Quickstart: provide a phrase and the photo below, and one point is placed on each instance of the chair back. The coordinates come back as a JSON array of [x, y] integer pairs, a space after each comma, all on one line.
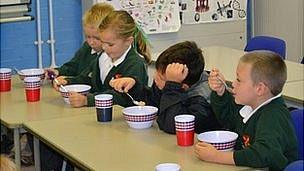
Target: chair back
[[267, 43], [295, 166], [297, 119]]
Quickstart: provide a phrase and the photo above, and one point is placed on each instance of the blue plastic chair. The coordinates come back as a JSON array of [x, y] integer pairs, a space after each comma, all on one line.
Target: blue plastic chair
[[267, 43], [295, 166], [297, 119]]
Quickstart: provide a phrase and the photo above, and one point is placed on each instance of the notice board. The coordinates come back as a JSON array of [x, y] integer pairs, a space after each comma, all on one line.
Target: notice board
[[153, 16]]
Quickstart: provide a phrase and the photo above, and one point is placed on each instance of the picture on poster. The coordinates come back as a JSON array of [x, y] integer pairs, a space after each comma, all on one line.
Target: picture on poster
[[206, 11], [153, 16]]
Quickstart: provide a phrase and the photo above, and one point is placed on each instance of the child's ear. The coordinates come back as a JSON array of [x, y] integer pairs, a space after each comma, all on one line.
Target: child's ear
[[130, 40], [261, 89]]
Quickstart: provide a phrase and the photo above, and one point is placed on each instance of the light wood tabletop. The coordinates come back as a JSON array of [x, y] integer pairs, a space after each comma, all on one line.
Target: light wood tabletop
[[114, 146], [15, 109]]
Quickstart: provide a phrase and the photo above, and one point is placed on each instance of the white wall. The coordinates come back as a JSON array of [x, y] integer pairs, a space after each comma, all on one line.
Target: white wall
[[282, 18]]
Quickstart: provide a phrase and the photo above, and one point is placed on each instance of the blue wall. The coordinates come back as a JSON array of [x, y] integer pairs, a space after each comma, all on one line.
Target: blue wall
[[17, 39]]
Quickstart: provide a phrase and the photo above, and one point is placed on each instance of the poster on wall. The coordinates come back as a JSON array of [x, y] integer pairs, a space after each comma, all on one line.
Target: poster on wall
[[207, 11], [154, 16]]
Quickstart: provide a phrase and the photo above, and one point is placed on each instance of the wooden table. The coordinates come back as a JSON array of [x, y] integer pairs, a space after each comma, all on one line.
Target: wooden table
[[294, 93], [15, 110], [114, 146]]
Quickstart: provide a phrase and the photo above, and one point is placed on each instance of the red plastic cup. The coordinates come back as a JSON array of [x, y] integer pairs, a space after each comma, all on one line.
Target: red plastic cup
[[185, 138], [32, 89], [5, 79], [184, 126]]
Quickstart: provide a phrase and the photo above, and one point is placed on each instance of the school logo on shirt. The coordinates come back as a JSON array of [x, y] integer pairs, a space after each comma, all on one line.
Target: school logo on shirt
[[117, 76], [246, 140]]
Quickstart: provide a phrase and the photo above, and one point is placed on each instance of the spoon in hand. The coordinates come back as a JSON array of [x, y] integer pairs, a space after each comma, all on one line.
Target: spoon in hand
[[52, 77], [229, 89], [141, 103]]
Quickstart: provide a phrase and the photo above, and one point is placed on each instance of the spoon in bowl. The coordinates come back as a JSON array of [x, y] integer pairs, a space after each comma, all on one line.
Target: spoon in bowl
[[141, 103], [52, 77], [18, 71]]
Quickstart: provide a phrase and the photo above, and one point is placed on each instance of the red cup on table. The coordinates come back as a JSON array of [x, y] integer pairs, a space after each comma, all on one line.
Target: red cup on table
[[32, 88], [5, 79], [184, 127]]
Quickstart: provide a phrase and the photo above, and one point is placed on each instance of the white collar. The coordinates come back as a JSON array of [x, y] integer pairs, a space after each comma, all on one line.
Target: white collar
[[94, 51], [246, 112], [122, 58]]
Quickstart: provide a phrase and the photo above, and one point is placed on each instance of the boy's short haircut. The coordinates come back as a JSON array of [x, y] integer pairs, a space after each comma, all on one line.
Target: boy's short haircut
[[96, 14], [267, 67], [184, 53]]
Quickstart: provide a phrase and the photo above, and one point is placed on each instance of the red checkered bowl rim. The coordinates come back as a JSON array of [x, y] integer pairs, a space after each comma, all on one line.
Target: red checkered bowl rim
[[139, 118], [140, 110], [220, 136], [224, 146]]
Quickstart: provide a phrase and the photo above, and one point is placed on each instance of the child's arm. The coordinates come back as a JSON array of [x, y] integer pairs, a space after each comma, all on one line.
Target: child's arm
[[60, 81], [214, 82], [176, 72], [122, 84], [77, 99], [207, 152]]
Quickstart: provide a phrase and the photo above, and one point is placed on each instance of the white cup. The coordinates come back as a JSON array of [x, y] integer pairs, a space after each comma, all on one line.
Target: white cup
[[168, 167]]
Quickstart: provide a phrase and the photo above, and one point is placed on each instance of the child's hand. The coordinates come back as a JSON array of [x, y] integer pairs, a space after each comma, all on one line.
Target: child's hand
[[214, 82], [77, 99], [206, 152], [49, 71], [122, 84], [176, 72], [61, 81]]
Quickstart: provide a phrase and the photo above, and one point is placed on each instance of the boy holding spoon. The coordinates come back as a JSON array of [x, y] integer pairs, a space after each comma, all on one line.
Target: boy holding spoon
[[256, 112]]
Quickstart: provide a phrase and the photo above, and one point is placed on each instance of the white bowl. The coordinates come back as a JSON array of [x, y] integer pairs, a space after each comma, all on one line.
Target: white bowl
[[33, 72], [79, 88], [140, 117], [168, 167], [221, 140]]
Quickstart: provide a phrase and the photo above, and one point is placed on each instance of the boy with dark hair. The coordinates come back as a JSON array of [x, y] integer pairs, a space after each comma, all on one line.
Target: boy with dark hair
[[180, 87], [256, 111]]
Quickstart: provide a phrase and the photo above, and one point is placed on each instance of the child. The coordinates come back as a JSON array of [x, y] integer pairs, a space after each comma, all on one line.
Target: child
[[266, 134], [91, 48], [6, 164], [121, 41], [180, 87]]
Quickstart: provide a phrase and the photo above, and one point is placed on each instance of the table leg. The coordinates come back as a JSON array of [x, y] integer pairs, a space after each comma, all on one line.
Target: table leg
[[17, 147], [36, 154]]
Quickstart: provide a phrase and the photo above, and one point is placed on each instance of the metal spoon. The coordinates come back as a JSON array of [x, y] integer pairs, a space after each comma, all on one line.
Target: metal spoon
[[18, 71], [229, 89], [134, 101], [52, 77]]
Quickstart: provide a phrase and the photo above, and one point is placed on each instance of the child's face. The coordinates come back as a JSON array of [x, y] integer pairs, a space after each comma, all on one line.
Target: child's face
[[92, 37], [159, 79], [113, 45], [243, 87]]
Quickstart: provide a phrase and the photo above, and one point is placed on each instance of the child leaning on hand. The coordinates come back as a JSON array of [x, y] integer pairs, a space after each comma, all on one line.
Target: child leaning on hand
[[180, 87], [256, 111]]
